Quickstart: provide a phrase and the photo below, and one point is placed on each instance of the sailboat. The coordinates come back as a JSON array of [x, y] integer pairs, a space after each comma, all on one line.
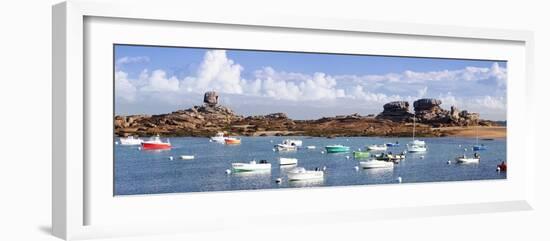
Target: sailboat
[[416, 145], [477, 146]]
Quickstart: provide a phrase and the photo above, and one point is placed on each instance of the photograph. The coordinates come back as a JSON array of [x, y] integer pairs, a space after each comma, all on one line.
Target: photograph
[[199, 119]]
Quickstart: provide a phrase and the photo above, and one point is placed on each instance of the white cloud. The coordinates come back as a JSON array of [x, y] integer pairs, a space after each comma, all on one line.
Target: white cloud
[[130, 60], [124, 89], [216, 72], [492, 102], [158, 82]]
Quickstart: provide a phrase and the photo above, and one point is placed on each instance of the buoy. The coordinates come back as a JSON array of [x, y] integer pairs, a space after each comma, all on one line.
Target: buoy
[[271, 141], [358, 149], [322, 152], [274, 149], [116, 142], [465, 149], [356, 168], [210, 140], [171, 158], [227, 171], [498, 169], [139, 148], [449, 162], [278, 180], [347, 157], [459, 145], [324, 168], [399, 179]]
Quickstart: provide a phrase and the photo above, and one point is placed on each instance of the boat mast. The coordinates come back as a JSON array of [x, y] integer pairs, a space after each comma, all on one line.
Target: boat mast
[[414, 125]]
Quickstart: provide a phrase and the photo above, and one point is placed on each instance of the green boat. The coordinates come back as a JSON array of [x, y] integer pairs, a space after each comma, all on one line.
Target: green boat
[[337, 149], [361, 154]]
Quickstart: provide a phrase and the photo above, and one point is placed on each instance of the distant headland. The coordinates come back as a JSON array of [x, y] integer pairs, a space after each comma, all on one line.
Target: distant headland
[[395, 120]]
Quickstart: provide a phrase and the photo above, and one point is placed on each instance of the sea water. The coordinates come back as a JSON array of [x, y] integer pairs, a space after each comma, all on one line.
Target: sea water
[[150, 172]]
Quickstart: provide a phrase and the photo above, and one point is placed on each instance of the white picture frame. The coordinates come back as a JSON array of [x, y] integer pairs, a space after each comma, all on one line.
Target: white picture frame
[[74, 189]]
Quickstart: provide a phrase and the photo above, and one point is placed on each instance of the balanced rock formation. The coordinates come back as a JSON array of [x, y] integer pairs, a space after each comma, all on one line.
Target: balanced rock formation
[[397, 111], [211, 98], [429, 111]]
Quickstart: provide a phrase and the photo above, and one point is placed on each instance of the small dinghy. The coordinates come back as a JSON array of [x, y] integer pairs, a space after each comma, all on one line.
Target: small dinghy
[[464, 159], [301, 174], [262, 165], [361, 154], [311, 147], [287, 161], [390, 144], [187, 157], [481, 147], [130, 141], [373, 163], [337, 148], [377, 147], [285, 147]]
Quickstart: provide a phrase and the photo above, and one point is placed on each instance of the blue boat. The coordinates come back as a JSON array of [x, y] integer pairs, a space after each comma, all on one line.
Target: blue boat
[[480, 147], [392, 144]]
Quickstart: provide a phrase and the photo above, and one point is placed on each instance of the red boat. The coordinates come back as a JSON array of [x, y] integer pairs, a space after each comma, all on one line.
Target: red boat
[[502, 166], [155, 143]]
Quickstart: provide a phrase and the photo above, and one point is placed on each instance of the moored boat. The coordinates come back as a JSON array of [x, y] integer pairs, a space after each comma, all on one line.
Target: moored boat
[[465, 159], [392, 144], [288, 161], [292, 142], [301, 174], [285, 147], [481, 147], [416, 145], [187, 157], [155, 143], [373, 163], [232, 141], [311, 147], [218, 138], [130, 141], [502, 167], [262, 165], [361, 154], [337, 148], [377, 147]]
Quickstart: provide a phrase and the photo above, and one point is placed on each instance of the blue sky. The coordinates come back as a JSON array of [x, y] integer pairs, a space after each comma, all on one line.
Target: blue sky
[[151, 80]]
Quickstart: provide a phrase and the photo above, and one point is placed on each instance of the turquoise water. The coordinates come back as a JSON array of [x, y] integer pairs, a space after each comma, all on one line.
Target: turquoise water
[[150, 172]]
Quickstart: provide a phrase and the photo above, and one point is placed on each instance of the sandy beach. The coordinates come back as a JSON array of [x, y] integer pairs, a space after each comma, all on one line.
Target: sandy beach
[[483, 132]]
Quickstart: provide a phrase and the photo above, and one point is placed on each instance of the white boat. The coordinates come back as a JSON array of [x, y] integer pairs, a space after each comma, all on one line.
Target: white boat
[[311, 147], [300, 174], [288, 161], [377, 148], [291, 142], [465, 159], [416, 145], [373, 163], [251, 166], [285, 147], [130, 141], [218, 138], [187, 157]]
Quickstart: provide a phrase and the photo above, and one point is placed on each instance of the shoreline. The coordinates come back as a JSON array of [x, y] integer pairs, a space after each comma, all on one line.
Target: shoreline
[[482, 132]]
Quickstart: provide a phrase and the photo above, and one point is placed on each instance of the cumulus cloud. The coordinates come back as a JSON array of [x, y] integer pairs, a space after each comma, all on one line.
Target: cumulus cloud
[[130, 60], [216, 71], [124, 89], [159, 82]]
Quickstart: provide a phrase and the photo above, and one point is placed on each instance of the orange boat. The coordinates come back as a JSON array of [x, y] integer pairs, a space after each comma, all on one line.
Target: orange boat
[[232, 141], [155, 143]]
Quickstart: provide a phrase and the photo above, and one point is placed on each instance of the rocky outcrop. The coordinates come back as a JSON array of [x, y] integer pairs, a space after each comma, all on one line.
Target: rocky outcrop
[[210, 98], [209, 118], [397, 111], [429, 111]]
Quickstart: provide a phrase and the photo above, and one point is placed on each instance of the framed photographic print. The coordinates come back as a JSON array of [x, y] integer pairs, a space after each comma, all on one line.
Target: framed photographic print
[[172, 121]]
